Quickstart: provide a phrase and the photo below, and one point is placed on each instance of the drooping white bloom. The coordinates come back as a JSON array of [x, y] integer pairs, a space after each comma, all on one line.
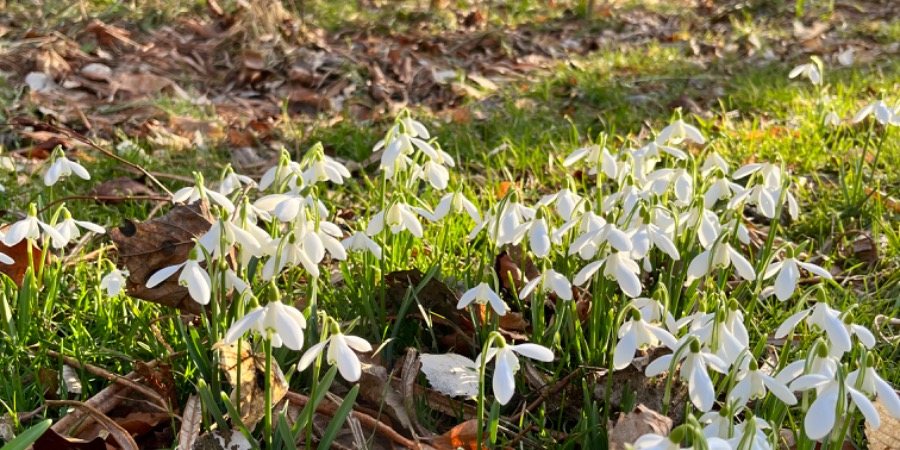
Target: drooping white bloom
[[873, 385], [511, 219], [832, 119], [31, 228], [224, 231], [714, 161], [753, 385], [483, 294], [596, 158], [720, 189], [281, 324], [788, 272], [325, 168], [69, 229], [637, 334], [693, 371], [504, 381], [287, 207], [682, 182], [678, 131], [824, 318], [653, 441], [63, 167], [808, 70], [721, 256], [341, 352], [770, 173], [232, 182], [452, 203], [437, 175], [597, 232], [568, 203], [191, 194], [360, 242], [822, 414], [617, 266], [399, 217], [883, 113], [114, 282], [550, 280], [192, 276]]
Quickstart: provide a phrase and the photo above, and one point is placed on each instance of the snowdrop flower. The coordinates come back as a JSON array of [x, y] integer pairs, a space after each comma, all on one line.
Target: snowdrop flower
[[590, 242], [770, 173], [617, 266], [550, 280], [832, 119], [829, 387], [694, 371], [399, 217], [224, 231], [276, 322], [750, 435], [720, 189], [720, 257], [539, 239], [649, 235], [678, 131], [31, 228], [360, 242], [507, 364], [757, 195], [883, 113], [821, 317], [191, 194], [653, 311], [753, 385], [114, 282], [510, 221], [636, 334], [286, 171], [714, 161], [455, 203], [436, 174], [788, 272], [596, 157], [682, 182], [483, 294], [568, 203], [873, 385], [324, 168], [63, 167], [340, 351], [232, 181], [653, 441], [192, 276], [287, 207], [69, 231], [808, 70], [302, 246]]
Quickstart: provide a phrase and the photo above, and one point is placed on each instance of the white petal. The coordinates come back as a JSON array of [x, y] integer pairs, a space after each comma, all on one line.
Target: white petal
[[820, 418], [658, 365], [504, 381], [347, 361], [743, 267], [700, 389], [625, 349], [162, 275], [888, 397], [779, 390], [242, 325], [357, 343], [866, 407], [587, 272], [533, 351], [311, 355], [790, 323]]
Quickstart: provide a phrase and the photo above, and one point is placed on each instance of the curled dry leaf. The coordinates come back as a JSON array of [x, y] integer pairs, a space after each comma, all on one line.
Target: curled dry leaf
[[51, 440], [637, 423], [252, 367], [464, 435], [146, 247], [190, 426], [375, 387]]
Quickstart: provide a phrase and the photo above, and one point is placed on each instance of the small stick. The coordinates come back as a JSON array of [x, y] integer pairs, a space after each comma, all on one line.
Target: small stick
[[330, 409]]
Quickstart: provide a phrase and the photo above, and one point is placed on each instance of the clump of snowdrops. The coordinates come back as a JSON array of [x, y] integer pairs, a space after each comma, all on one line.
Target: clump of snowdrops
[[655, 233]]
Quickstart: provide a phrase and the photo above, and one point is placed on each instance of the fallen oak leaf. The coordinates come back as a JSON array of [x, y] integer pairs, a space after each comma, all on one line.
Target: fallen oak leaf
[[637, 423], [51, 440], [19, 254], [250, 368], [146, 247]]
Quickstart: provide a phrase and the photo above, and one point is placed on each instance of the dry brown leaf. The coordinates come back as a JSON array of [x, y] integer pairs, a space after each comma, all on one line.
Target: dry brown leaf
[[637, 423], [190, 426], [887, 436], [146, 247], [252, 367], [464, 435], [375, 387], [51, 440], [19, 254]]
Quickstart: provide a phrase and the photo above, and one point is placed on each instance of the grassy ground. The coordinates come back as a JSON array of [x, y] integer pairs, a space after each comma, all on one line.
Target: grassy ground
[[520, 132]]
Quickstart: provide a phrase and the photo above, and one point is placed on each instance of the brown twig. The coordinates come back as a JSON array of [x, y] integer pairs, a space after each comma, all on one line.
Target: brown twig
[[329, 409], [545, 395], [70, 133], [105, 401], [26, 416], [150, 393], [119, 434]]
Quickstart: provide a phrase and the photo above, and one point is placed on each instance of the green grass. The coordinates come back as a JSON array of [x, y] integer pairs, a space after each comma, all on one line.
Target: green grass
[[750, 111]]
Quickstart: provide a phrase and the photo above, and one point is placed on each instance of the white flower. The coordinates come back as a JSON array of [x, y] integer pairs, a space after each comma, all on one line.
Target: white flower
[[299, 247], [596, 157], [454, 202], [192, 276], [771, 173], [69, 231], [63, 167], [568, 203], [653, 441], [281, 324], [325, 168], [617, 266], [114, 282], [714, 161], [483, 294], [637, 334], [824, 318], [360, 242], [753, 385], [789, 273], [437, 175], [511, 219], [693, 371], [231, 234], [399, 217], [808, 70], [873, 385], [720, 189], [30, 228], [232, 182], [550, 280], [507, 365], [883, 113], [287, 207], [721, 256], [832, 119], [191, 194], [679, 131], [340, 352], [821, 416]]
